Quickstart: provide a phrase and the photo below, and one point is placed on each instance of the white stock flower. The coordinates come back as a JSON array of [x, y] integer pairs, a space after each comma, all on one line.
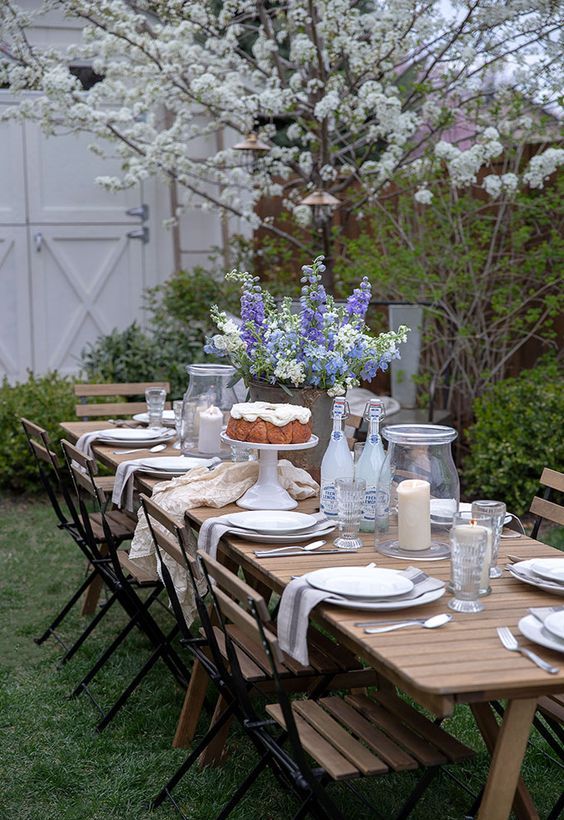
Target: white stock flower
[[542, 166], [423, 195]]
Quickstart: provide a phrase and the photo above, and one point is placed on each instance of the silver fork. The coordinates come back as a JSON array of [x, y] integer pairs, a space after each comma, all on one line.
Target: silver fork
[[510, 642]]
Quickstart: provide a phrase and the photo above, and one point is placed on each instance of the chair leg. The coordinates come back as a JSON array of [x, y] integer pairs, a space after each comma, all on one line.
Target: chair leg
[[65, 610], [241, 790], [87, 631], [423, 783], [558, 809], [192, 757], [92, 595]]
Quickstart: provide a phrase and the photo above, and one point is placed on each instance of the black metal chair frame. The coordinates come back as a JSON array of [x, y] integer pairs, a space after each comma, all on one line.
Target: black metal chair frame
[[292, 770], [123, 589], [67, 522]]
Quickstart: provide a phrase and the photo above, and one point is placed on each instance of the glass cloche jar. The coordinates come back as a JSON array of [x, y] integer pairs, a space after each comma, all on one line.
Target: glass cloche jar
[[205, 409], [418, 489]]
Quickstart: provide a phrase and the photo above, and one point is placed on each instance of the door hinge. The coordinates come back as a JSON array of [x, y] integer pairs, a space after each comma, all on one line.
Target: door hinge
[[139, 233], [142, 212]]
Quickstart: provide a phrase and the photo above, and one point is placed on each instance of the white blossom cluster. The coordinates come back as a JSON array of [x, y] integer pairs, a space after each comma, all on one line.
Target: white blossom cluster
[[347, 93]]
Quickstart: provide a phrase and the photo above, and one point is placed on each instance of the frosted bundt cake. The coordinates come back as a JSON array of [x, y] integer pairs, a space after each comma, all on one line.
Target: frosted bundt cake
[[265, 423]]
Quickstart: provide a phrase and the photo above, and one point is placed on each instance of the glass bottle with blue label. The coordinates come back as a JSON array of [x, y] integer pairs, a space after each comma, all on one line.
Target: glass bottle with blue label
[[337, 461], [370, 463]]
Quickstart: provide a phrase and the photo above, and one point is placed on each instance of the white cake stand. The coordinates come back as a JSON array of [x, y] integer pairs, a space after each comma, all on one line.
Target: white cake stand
[[268, 493]]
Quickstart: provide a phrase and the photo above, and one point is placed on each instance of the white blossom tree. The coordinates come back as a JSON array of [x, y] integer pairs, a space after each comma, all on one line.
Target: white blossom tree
[[345, 93]]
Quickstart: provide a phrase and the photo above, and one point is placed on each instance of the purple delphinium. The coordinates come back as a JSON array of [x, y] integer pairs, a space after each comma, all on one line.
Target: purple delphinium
[[358, 301], [313, 302], [252, 313]]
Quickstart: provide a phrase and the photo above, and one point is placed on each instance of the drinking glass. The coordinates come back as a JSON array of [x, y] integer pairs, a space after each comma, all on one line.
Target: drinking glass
[[177, 409], [468, 543], [496, 510], [349, 495], [155, 398]]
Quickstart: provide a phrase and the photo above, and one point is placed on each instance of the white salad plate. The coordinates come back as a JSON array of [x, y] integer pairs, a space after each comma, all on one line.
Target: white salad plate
[[550, 568], [272, 521], [126, 441], [531, 628], [131, 434], [555, 624], [168, 418], [360, 582], [523, 571], [288, 538], [386, 606]]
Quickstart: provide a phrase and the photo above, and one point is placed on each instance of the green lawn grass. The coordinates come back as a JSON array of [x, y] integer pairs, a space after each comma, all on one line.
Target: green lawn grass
[[54, 766]]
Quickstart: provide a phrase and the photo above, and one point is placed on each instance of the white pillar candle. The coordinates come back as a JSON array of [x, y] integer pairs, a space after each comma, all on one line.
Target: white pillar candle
[[211, 424], [414, 514]]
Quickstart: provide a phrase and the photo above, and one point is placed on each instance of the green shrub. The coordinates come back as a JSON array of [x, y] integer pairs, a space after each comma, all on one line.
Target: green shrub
[[45, 400], [518, 431]]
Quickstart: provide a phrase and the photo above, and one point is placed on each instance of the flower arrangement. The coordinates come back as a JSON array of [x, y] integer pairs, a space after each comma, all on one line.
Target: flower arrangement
[[324, 344]]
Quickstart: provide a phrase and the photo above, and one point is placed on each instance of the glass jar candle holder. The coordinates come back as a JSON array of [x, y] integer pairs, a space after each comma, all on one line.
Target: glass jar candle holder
[[205, 409], [418, 489], [349, 493]]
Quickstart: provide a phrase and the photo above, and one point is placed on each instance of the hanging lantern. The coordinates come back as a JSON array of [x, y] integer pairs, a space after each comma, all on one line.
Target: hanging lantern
[[252, 149], [322, 203]]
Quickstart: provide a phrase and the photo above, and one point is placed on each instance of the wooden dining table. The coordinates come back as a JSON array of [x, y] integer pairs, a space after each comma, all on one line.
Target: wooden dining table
[[461, 663]]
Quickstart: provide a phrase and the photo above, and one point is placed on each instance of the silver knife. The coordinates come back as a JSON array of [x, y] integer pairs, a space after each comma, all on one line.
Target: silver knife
[[267, 554]]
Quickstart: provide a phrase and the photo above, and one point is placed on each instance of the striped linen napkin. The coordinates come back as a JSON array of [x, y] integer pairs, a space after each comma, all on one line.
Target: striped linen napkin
[[541, 613], [299, 598], [122, 495], [213, 530]]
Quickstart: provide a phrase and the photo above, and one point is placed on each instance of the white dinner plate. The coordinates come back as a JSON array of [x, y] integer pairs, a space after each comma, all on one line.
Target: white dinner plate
[[531, 628], [555, 624], [272, 521], [386, 606], [523, 571], [288, 538], [130, 434], [174, 465], [168, 418], [550, 568], [360, 582], [138, 442]]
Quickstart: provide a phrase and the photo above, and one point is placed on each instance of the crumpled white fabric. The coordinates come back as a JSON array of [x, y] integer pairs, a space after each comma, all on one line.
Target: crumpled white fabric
[[206, 488]]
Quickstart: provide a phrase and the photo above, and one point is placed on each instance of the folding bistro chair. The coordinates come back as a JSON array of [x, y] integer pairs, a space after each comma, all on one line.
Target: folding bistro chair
[[86, 410], [125, 582], [331, 664], [349, 736], [545, 508], [54, 482]]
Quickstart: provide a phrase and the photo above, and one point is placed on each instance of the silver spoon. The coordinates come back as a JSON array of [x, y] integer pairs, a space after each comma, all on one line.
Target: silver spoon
[[431, 623], [156, 449], [308, 548]]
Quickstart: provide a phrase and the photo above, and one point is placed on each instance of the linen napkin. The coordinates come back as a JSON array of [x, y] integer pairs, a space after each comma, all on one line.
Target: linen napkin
[[201, 487], [299, 598], [542, 612], [122, 495], [84, 443], [213, 530], [530, 575]]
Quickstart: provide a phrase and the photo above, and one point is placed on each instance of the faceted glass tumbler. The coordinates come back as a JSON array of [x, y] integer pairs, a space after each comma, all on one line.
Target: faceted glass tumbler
[[350, 499], [468, 543], [497, 511], [177, 409], [155, 398]]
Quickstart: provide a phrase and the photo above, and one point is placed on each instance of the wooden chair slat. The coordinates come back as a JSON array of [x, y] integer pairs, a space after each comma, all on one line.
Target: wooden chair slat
[[548, 510], [74, 454], [127, 408], [337, 766], [446, 743], [552, 707], [553, 479], [117, 389], [249, 669], [130, 568], [363, 759], [235, 614], [43, 453], [241, 591], [392, 754], [422, 751]]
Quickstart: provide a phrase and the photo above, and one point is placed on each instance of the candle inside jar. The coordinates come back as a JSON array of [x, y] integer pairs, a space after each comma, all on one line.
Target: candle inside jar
[[466, 535], [210, 427], [414, 514]]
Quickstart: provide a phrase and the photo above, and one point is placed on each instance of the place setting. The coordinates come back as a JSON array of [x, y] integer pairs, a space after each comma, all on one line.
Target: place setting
[[282, 527], [544, 573], [163, 467]]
